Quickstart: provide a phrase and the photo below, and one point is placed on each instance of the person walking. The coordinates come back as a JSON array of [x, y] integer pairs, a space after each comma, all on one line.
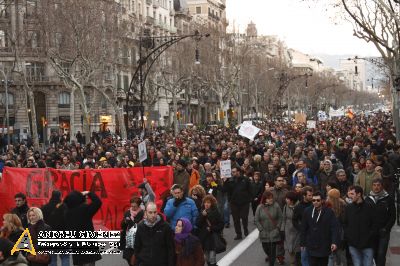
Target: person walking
[[385, 217], [154, 240], [239, 196], [366, 175], [6, 259], [180, 207], [187, 246], [210, 222], [78, 217], [307, 193], [268, 222], [12, 227], [291, 234], [320, 232], [359, 228], [129, 223]]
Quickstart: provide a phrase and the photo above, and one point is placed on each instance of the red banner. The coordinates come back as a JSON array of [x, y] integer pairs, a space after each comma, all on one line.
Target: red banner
[[115, 187]]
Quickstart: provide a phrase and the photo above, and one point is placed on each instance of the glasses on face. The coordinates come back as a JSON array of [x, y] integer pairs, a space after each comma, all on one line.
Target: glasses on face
[[316, 200]]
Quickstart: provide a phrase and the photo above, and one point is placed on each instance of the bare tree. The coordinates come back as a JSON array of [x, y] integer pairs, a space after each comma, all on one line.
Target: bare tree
[[82, 39]]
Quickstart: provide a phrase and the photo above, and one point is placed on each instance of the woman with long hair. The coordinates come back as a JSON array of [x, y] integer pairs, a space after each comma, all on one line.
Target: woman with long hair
[[197, 193], [187, 247], [338, 205], [131, 219], [12, 227], [210, 221], [268, 222]]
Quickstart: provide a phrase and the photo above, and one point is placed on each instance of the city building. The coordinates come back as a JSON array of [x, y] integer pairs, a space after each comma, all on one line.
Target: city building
[[353, 73]]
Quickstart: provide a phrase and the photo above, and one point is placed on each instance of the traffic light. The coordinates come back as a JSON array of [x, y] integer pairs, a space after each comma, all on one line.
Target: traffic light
[[197, 56]]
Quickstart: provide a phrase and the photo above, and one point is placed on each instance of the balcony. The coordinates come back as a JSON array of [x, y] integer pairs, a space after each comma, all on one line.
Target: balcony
[[149, 20]]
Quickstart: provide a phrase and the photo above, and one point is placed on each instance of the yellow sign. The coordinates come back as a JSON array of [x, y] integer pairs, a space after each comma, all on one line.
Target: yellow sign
[[105, 118], [24, 243]]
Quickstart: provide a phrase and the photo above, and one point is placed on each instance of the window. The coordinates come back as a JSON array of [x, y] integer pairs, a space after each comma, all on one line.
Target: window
[[64, 99], [31, 8], [198, 9], [3, 99], [133, 56], [126, 82], [107, 73], [3, 42], [3, 9], [35, 71], [133, 6], [125, 55], [58, 39], [33, 39]]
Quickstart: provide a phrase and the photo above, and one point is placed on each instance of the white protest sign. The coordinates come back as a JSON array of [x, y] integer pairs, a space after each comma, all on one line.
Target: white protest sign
[[225, 167], [311, 124], [247, 122], [336, 113], [322, 116], [142, 151], [248, 131]]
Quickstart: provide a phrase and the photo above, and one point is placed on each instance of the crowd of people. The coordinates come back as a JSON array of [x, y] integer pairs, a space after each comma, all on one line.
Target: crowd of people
[[322, 196]]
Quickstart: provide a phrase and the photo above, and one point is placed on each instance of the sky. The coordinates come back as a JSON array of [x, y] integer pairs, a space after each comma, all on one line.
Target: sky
[[309, 29]]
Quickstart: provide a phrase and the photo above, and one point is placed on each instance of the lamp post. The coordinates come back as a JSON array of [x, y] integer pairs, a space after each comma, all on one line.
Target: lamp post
[[146, 62], [5, 81]]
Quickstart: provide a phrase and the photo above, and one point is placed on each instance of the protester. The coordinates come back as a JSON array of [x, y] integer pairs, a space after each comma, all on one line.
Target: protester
[[256, 191], [6, 259], [21, 208], [78, 217], [290, 233], [35, 226], [385, 217], [181, 176], [365, 176], [320, 232], [12, 227], [210, 222], [197, 193], [268, 222], [180, 207], [187, 247], [239, 196], [129, 223], [154, 241], [359, 228], [146, 193]]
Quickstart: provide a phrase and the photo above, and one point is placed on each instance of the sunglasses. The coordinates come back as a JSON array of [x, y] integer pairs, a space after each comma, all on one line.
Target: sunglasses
[[316, 200]]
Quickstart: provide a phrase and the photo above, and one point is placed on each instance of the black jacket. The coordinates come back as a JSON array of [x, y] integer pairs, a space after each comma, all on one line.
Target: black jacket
[[385, 212], [239, 190], [34, 230], [359, 225], [154, 246], [126, 224], [298, 214], [79, 217], [317, 235], [216, 225], [21, 212]]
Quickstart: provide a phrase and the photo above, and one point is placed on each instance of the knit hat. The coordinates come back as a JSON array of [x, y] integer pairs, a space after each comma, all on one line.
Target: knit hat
[[334, 193]]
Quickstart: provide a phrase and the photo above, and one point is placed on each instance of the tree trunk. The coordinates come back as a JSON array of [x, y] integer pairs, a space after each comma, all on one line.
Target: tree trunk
[[72, 118], [175, 109], [35, 136], [121, 122], [86, 123]]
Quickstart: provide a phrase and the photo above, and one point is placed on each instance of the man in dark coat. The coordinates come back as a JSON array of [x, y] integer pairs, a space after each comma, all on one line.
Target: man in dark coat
[[359, 227], [154, 242], [21, 208], [239, 197], [320, 232], [79, 217], [385, 217]]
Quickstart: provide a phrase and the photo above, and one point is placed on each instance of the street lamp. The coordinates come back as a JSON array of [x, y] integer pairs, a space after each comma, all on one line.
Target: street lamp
[[6, 82]]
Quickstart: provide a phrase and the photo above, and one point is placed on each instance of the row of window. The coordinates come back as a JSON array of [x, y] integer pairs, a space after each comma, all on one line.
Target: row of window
[[64, 100]]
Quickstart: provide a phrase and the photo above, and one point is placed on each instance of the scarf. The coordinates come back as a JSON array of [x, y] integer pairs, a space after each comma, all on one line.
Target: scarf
[[186, 229], [148, 224], [133, 213], [378, 196]]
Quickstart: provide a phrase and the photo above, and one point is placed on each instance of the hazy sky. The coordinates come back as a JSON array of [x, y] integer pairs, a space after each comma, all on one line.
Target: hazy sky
[[303, 27]]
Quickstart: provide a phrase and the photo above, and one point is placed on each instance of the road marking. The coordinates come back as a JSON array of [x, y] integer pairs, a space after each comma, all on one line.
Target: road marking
[[229, 258]]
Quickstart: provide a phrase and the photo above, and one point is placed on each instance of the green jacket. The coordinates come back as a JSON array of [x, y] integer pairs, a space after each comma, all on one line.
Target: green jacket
[[269, 225]]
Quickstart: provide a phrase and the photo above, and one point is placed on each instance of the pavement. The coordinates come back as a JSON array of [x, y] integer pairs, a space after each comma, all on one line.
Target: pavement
[[249, 250]]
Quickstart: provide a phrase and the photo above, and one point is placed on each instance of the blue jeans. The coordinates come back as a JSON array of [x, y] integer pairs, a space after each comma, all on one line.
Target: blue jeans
[[64, 259], [304, 258], [362, 257]]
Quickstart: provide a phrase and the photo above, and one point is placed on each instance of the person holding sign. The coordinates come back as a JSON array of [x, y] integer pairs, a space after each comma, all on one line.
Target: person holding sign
[[239, 197]]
